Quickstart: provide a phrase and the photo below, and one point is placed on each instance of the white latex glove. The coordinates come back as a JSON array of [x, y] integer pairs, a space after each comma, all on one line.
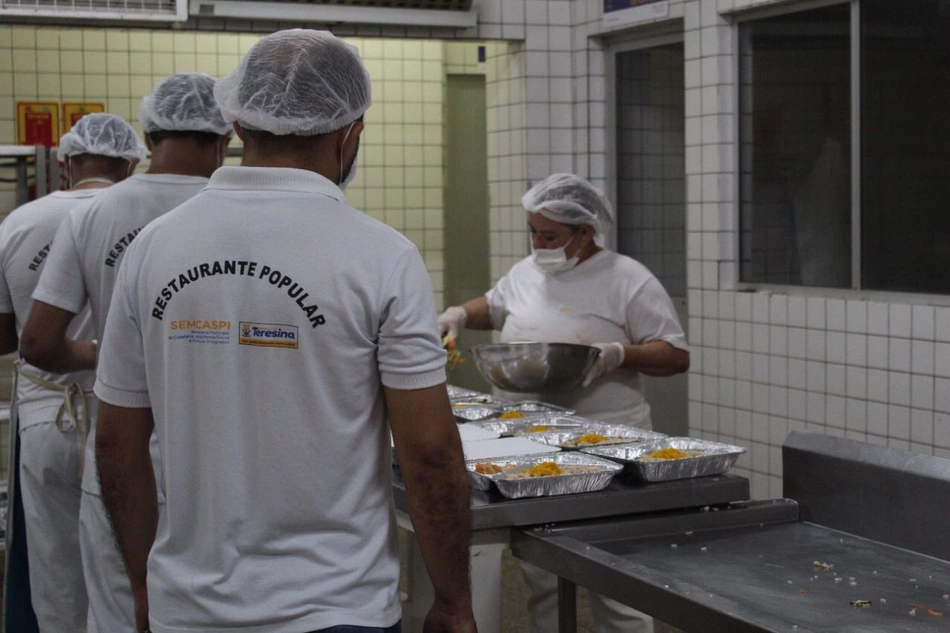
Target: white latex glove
[[452, 321], [611, 357]]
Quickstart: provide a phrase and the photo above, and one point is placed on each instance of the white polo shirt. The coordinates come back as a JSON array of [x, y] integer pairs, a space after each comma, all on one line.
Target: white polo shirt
[[89, 246], [608, 298], [260, 321], [26, 236]]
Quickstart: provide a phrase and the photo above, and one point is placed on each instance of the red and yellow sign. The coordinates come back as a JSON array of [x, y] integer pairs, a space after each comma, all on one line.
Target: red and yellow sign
[[72, 112], [37, 123]]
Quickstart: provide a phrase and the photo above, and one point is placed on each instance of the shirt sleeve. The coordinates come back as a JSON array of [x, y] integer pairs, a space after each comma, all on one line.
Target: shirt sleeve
[[61, 283], [409, 352], [652, 317], [120, 375]]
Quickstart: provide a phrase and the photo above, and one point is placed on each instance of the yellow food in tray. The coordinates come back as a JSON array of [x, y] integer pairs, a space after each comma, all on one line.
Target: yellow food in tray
[[669, 454], [539, 428], [511, 415], [544, 469], [551, 469], [590, 438]]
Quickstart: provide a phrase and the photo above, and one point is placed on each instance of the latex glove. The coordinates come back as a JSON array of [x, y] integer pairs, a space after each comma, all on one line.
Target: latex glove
[[611, 357], [452, 321]]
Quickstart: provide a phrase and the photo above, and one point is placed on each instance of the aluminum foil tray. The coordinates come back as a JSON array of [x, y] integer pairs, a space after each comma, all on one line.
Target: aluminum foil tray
[[717, 458], [617, 433], [523, 426], [517, 488], [533, 408], [473, 411], [457, 394]]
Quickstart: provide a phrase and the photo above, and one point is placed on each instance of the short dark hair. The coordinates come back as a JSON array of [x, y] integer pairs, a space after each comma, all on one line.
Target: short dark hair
[[288, 143], [283, 143], [202, 138], [105, 163]]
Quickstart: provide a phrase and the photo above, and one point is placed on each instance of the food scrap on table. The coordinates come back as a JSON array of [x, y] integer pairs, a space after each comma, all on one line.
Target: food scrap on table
[[821, 565], [861, 604]]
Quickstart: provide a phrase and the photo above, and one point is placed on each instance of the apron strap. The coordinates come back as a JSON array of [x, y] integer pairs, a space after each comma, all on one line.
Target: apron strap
[[73, 413]]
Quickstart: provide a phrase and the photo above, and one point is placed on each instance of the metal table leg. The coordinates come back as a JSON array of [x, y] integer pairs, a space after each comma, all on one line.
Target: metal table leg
[[566, 606]]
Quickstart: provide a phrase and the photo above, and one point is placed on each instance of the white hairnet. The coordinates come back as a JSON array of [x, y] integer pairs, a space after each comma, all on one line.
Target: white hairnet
[[183, 102], [570, 199], [298, 81], [102, 135]]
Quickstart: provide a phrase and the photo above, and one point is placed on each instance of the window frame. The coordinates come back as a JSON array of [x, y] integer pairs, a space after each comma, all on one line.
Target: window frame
[[855, 291]]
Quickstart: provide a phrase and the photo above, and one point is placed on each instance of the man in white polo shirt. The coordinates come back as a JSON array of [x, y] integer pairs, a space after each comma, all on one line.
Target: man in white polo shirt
[[51, 412], [267, 330], [188, 139]]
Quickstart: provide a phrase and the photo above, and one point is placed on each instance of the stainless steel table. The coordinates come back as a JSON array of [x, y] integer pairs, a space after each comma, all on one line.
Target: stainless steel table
[[751, 567], [493, 518]]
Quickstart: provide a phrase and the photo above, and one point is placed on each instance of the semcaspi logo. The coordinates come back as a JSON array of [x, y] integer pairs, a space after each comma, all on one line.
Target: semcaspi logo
[[267, 335]]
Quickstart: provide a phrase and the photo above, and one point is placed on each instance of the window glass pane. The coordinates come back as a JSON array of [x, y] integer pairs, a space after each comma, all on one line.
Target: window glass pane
[[795, 182], [905, 145], [651, 187]]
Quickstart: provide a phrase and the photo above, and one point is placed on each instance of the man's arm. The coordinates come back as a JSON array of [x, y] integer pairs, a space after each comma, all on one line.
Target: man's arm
[[44, 343], [657, 358], [433, 467], [8, 336], [128, 491]]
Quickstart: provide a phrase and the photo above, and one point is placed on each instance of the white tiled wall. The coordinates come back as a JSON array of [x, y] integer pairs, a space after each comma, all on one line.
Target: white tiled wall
[[400, 163]]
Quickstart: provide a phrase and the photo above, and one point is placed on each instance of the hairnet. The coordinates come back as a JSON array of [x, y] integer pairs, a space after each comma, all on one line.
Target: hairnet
[[102, 135], [298, 81], [183, 102], [570, 199]]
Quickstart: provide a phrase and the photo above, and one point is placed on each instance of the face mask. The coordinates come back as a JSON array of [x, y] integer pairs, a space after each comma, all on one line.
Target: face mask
[[554, 260], [350, 175]]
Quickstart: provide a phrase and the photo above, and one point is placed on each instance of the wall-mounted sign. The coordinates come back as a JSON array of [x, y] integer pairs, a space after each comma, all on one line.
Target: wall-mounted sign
[[72, 112], [627, 12], [37, 123]]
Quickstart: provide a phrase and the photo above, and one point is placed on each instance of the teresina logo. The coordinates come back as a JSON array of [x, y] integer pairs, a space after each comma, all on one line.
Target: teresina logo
[[267, 335]]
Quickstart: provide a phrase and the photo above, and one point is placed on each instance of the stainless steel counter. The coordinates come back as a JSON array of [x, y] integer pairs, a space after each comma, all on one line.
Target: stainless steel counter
[[495, 518], [623, 496], [747, 569], [750, 567]]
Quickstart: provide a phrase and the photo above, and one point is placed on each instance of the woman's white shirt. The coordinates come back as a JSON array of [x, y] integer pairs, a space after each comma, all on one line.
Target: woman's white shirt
[[605, 299]]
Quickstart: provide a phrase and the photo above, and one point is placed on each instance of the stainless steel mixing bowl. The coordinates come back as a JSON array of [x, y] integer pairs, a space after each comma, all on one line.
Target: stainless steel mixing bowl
[[534, 367]]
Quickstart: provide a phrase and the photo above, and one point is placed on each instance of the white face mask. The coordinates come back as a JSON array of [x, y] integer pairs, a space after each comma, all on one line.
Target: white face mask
[[350, 175], [554, 260]]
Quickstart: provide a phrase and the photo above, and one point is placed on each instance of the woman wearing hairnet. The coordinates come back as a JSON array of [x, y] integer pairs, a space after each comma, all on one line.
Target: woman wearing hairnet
[[573, 290]]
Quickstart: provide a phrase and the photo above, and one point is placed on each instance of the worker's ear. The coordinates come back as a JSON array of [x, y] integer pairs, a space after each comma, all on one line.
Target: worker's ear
[[148, 142], [348, 136], [239, 131]]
